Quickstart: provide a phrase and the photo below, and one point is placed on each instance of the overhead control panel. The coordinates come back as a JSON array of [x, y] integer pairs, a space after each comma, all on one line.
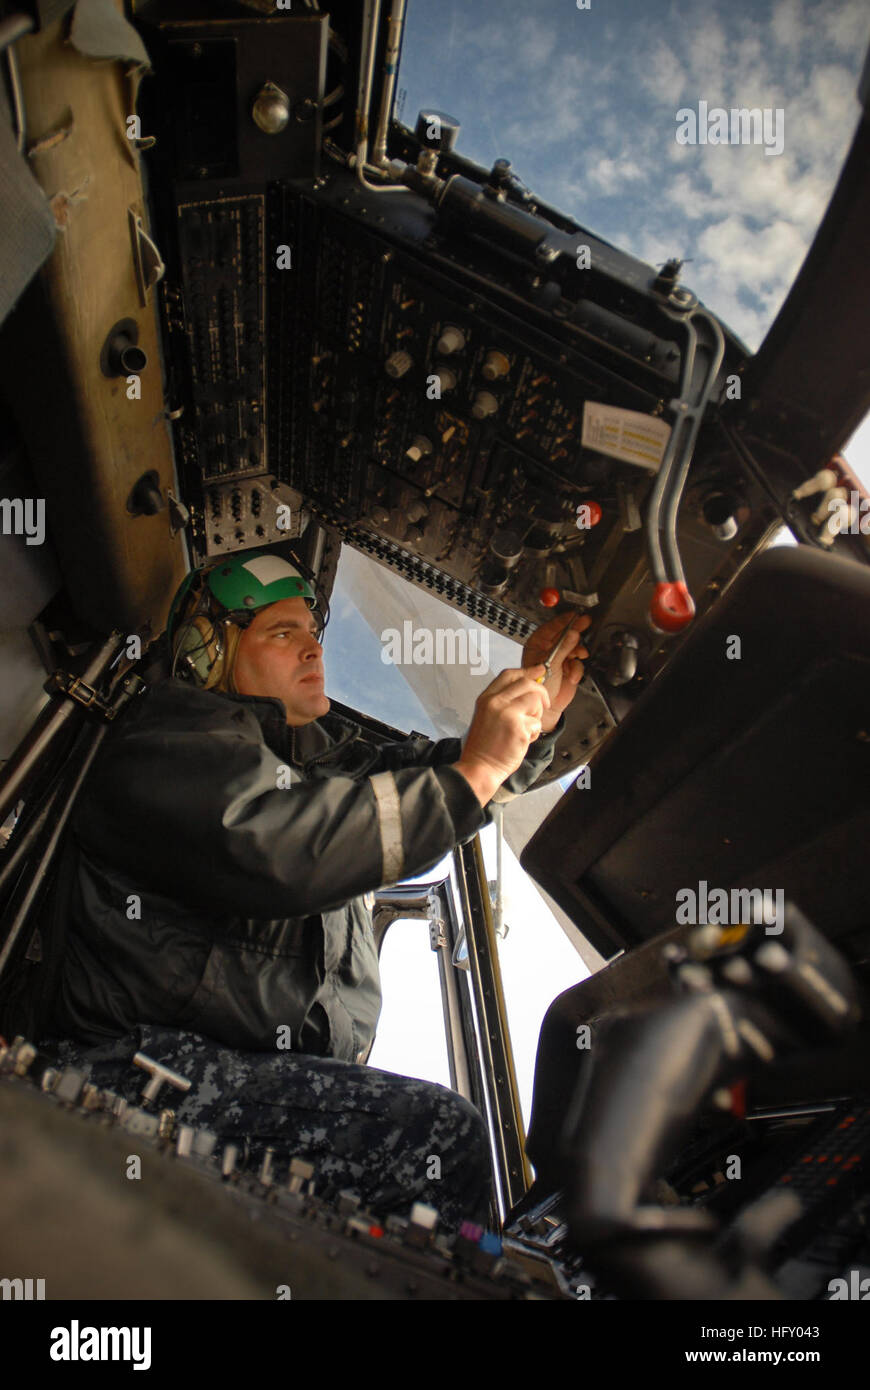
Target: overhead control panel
[[417, 400], [458, 380]]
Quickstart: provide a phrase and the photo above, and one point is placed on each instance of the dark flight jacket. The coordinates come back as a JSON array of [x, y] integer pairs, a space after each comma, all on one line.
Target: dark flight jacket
[[223, 863]]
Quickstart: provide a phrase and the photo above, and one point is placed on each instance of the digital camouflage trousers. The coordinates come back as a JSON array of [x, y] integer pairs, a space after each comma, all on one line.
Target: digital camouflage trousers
[[392, 1139]]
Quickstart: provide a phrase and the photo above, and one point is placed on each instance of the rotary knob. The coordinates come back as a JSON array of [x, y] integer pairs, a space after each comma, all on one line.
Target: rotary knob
[[398, 363], [446, 379], [451, 340], [495, 365], [485, 404]]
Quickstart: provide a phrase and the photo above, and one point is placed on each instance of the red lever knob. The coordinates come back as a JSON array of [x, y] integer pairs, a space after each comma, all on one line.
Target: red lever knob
[[588, 514], [672, 607], [549, 597]]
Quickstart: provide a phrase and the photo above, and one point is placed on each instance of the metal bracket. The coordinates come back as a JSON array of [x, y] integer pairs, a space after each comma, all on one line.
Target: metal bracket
[[437, 939], [147, 261], [62, 683], [179, 515]]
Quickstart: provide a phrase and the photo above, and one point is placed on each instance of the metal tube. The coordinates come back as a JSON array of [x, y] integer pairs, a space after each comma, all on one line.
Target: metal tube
[[371, 16], [462, 981], [489, 1101], [498, 817], [512, 1166], [371, 20], [37, 742], [696, 414], [23, 843], [25, 907], [501, 1009], [654, 504], [457, 1045], [394, 40]]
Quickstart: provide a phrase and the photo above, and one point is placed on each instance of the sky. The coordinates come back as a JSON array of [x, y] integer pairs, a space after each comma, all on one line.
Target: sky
[[584, 103]]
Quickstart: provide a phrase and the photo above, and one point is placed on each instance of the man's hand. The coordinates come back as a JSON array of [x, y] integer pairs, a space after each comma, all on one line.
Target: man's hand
[[508, 716], [567, 669]]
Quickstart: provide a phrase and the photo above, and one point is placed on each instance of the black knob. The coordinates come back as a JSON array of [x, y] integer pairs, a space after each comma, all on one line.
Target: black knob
[[146, 499], [436, 130]]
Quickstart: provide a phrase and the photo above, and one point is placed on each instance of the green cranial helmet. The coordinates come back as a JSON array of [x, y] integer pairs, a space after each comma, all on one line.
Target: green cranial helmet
[[237, 585], [253, 579], [243, 583]]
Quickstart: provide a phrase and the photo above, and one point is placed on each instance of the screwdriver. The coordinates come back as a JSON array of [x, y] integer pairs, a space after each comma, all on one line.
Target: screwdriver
[[554, 652]]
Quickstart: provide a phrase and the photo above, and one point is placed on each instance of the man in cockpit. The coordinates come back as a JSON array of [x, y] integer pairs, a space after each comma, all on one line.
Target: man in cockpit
[[230, 838]]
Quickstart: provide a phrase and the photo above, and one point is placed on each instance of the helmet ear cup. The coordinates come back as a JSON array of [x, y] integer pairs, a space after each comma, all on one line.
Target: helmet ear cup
[[200, 648]]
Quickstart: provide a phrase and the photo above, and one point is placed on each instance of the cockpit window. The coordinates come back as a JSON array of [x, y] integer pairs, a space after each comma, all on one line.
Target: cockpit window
[[397, 653], [714, 133]]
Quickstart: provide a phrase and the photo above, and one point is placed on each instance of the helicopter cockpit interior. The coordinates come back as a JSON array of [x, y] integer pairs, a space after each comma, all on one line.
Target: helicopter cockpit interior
[[245, 303]]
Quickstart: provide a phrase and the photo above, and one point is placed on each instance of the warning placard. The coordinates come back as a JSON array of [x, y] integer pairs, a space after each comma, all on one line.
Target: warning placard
[[625, 434]]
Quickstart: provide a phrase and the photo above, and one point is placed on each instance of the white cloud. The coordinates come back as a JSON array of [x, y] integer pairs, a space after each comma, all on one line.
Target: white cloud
[[770, 255], [611, 175], [590, 125], [846, 26], [708, 56], [660, 72], [787, 25], [746, 219]]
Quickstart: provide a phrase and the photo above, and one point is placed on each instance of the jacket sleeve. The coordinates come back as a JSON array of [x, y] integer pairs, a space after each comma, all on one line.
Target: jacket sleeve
[[421, 752], [201, 815]]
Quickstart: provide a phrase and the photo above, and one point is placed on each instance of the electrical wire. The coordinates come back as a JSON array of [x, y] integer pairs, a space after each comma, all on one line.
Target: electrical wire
[[789, 514], [195, 650]]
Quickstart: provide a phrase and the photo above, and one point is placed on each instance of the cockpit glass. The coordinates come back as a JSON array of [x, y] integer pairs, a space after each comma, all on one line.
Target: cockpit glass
[[395, 651]]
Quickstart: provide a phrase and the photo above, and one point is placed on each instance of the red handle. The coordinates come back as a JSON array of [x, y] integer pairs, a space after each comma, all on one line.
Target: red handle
[[672, 607]]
